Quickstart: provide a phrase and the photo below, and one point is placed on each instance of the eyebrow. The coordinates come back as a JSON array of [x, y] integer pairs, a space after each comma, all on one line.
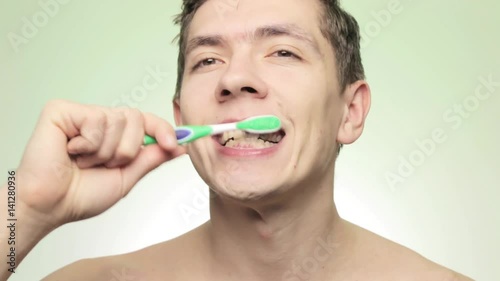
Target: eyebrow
[[264, 32], [290, 30]]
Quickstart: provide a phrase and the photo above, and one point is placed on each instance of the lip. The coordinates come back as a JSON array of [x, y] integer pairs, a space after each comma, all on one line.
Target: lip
[[246, 153]]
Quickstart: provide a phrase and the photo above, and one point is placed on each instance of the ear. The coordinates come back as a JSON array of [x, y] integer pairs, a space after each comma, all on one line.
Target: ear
[[177, 112], [357, 101]]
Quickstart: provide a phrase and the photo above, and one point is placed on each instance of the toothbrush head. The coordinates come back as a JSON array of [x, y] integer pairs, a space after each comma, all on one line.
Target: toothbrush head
[[264, 124]]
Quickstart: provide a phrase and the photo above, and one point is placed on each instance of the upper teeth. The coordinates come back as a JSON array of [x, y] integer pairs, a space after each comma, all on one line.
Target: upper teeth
[[237, 134]]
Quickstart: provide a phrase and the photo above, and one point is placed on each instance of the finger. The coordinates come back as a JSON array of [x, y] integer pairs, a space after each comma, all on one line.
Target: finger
[[131, 140], [115, 125], [161, 130], [149, 158], [91, 134]]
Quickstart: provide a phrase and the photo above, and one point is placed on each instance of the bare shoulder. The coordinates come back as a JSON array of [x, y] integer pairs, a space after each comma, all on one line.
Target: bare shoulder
[[424, 269], [397, 262], [151, 263], [109, 268], [104, 268]]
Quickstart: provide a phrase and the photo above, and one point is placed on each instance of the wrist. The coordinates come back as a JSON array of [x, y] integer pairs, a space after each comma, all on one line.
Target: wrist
[[32, 210], [20, 233], [34, 225], [24, 229]]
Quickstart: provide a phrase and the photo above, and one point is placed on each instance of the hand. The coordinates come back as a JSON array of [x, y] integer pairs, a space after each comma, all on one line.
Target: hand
[[83, 159]]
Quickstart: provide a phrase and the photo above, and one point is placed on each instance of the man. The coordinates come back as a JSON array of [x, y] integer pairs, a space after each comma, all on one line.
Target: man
[[272, 210]]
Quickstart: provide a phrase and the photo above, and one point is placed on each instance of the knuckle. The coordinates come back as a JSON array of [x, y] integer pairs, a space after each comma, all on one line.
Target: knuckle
[[134, 113], [98, 116], [118, 120], [95, 134], [170, 128], [150, 116], [121, 116], [101, 121]]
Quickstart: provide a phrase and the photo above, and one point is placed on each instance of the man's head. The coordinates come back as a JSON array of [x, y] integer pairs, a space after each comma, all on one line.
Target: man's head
[[297, 59], [338, 26]]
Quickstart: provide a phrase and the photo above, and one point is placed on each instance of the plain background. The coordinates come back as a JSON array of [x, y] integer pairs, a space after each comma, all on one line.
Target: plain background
[[422, 62]]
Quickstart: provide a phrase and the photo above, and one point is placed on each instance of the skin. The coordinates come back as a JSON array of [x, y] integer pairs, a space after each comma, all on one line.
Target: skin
[[266, 224]]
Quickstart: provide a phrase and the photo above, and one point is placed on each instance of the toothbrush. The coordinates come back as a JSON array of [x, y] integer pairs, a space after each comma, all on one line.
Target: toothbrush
[[264, 124]]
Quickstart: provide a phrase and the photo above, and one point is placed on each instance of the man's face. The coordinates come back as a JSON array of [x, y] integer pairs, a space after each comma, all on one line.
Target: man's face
[[258, 57]]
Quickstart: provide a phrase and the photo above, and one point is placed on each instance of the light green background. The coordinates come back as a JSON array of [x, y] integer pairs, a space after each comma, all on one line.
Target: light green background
[[428, 58]]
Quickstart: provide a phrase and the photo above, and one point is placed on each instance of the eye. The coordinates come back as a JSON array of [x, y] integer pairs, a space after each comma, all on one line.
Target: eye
[[285, 54], [204, 62]]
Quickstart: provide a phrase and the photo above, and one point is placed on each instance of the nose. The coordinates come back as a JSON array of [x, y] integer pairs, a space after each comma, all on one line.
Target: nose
[[240, 79]]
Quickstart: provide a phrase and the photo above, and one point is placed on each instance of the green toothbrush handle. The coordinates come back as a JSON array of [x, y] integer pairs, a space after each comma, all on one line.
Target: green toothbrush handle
[[149, 140], [185, 134]]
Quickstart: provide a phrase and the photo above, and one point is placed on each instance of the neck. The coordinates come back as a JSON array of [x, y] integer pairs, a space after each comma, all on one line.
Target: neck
[[292, 239]]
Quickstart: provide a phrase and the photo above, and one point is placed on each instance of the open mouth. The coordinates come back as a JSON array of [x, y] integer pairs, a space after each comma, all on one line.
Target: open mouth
[[245, 140]]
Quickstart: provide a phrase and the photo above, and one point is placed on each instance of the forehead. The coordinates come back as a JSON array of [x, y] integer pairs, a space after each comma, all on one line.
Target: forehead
[[236, 18]]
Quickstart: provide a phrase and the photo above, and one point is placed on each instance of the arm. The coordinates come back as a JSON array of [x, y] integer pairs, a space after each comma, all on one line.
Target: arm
[[80, 161], [17, 236]]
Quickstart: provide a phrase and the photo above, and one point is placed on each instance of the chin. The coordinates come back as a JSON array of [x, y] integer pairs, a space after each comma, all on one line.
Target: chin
[[243, 189]]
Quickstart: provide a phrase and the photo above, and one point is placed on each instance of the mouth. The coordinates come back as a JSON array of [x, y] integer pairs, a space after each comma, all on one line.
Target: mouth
[[243, 140]]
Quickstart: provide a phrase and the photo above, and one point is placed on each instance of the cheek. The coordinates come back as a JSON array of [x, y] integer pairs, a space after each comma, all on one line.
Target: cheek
[[197, 93], [330, 123], [194, 110]]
